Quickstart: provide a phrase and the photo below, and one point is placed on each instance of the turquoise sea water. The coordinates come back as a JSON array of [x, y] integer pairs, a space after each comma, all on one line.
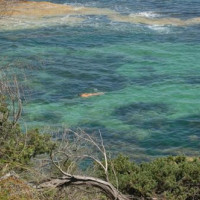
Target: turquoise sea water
[[150, 76]]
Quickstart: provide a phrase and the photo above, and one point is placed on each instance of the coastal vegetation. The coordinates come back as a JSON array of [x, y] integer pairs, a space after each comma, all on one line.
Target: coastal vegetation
[[72, 164], [64, 157]]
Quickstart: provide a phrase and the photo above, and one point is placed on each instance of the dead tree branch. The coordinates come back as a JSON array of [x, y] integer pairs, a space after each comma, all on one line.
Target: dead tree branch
[[9, 87], [75, 180], [74, 151]]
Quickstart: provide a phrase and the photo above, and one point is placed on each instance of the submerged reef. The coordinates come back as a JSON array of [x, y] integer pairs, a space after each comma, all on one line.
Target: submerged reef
[[40, 13]]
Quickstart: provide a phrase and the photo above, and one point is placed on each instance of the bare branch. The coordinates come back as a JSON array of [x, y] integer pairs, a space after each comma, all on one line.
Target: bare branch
[[106, 187], [9, 87], [58, 166], [72, 149]]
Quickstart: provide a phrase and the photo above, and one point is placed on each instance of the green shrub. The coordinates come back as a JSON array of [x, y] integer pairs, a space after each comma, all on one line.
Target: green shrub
[[17, 147], [165, 178], [175, 178]]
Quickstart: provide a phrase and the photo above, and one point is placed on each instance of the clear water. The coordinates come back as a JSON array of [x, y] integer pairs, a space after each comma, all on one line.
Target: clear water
[[150, 76]]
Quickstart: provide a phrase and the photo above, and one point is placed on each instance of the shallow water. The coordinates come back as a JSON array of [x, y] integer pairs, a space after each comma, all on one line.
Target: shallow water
[[150, 75]]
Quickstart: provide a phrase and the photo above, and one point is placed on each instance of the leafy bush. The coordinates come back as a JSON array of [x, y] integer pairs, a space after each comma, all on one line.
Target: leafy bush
[[17, 147], [164, 178]]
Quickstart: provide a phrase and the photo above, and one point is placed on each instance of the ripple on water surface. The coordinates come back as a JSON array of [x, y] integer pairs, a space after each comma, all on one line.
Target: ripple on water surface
[[149, 74]]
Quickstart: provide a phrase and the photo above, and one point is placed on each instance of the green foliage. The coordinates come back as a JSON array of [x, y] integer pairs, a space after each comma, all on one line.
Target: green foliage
[[165, 178], [172, 178], [17, 147]]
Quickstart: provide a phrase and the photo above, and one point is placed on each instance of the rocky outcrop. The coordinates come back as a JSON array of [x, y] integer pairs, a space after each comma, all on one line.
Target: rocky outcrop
[[47, 9]]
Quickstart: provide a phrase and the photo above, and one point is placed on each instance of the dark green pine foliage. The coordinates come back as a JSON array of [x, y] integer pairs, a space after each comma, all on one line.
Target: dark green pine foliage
[[172, 178], [16, 147]]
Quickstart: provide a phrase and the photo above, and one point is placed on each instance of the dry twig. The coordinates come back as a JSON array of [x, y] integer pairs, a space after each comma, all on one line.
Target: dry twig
[[74, 152]]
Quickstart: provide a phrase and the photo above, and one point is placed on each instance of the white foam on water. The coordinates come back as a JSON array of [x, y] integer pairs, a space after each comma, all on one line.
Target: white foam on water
[[160, 29], [74, 15], [147, 14]]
